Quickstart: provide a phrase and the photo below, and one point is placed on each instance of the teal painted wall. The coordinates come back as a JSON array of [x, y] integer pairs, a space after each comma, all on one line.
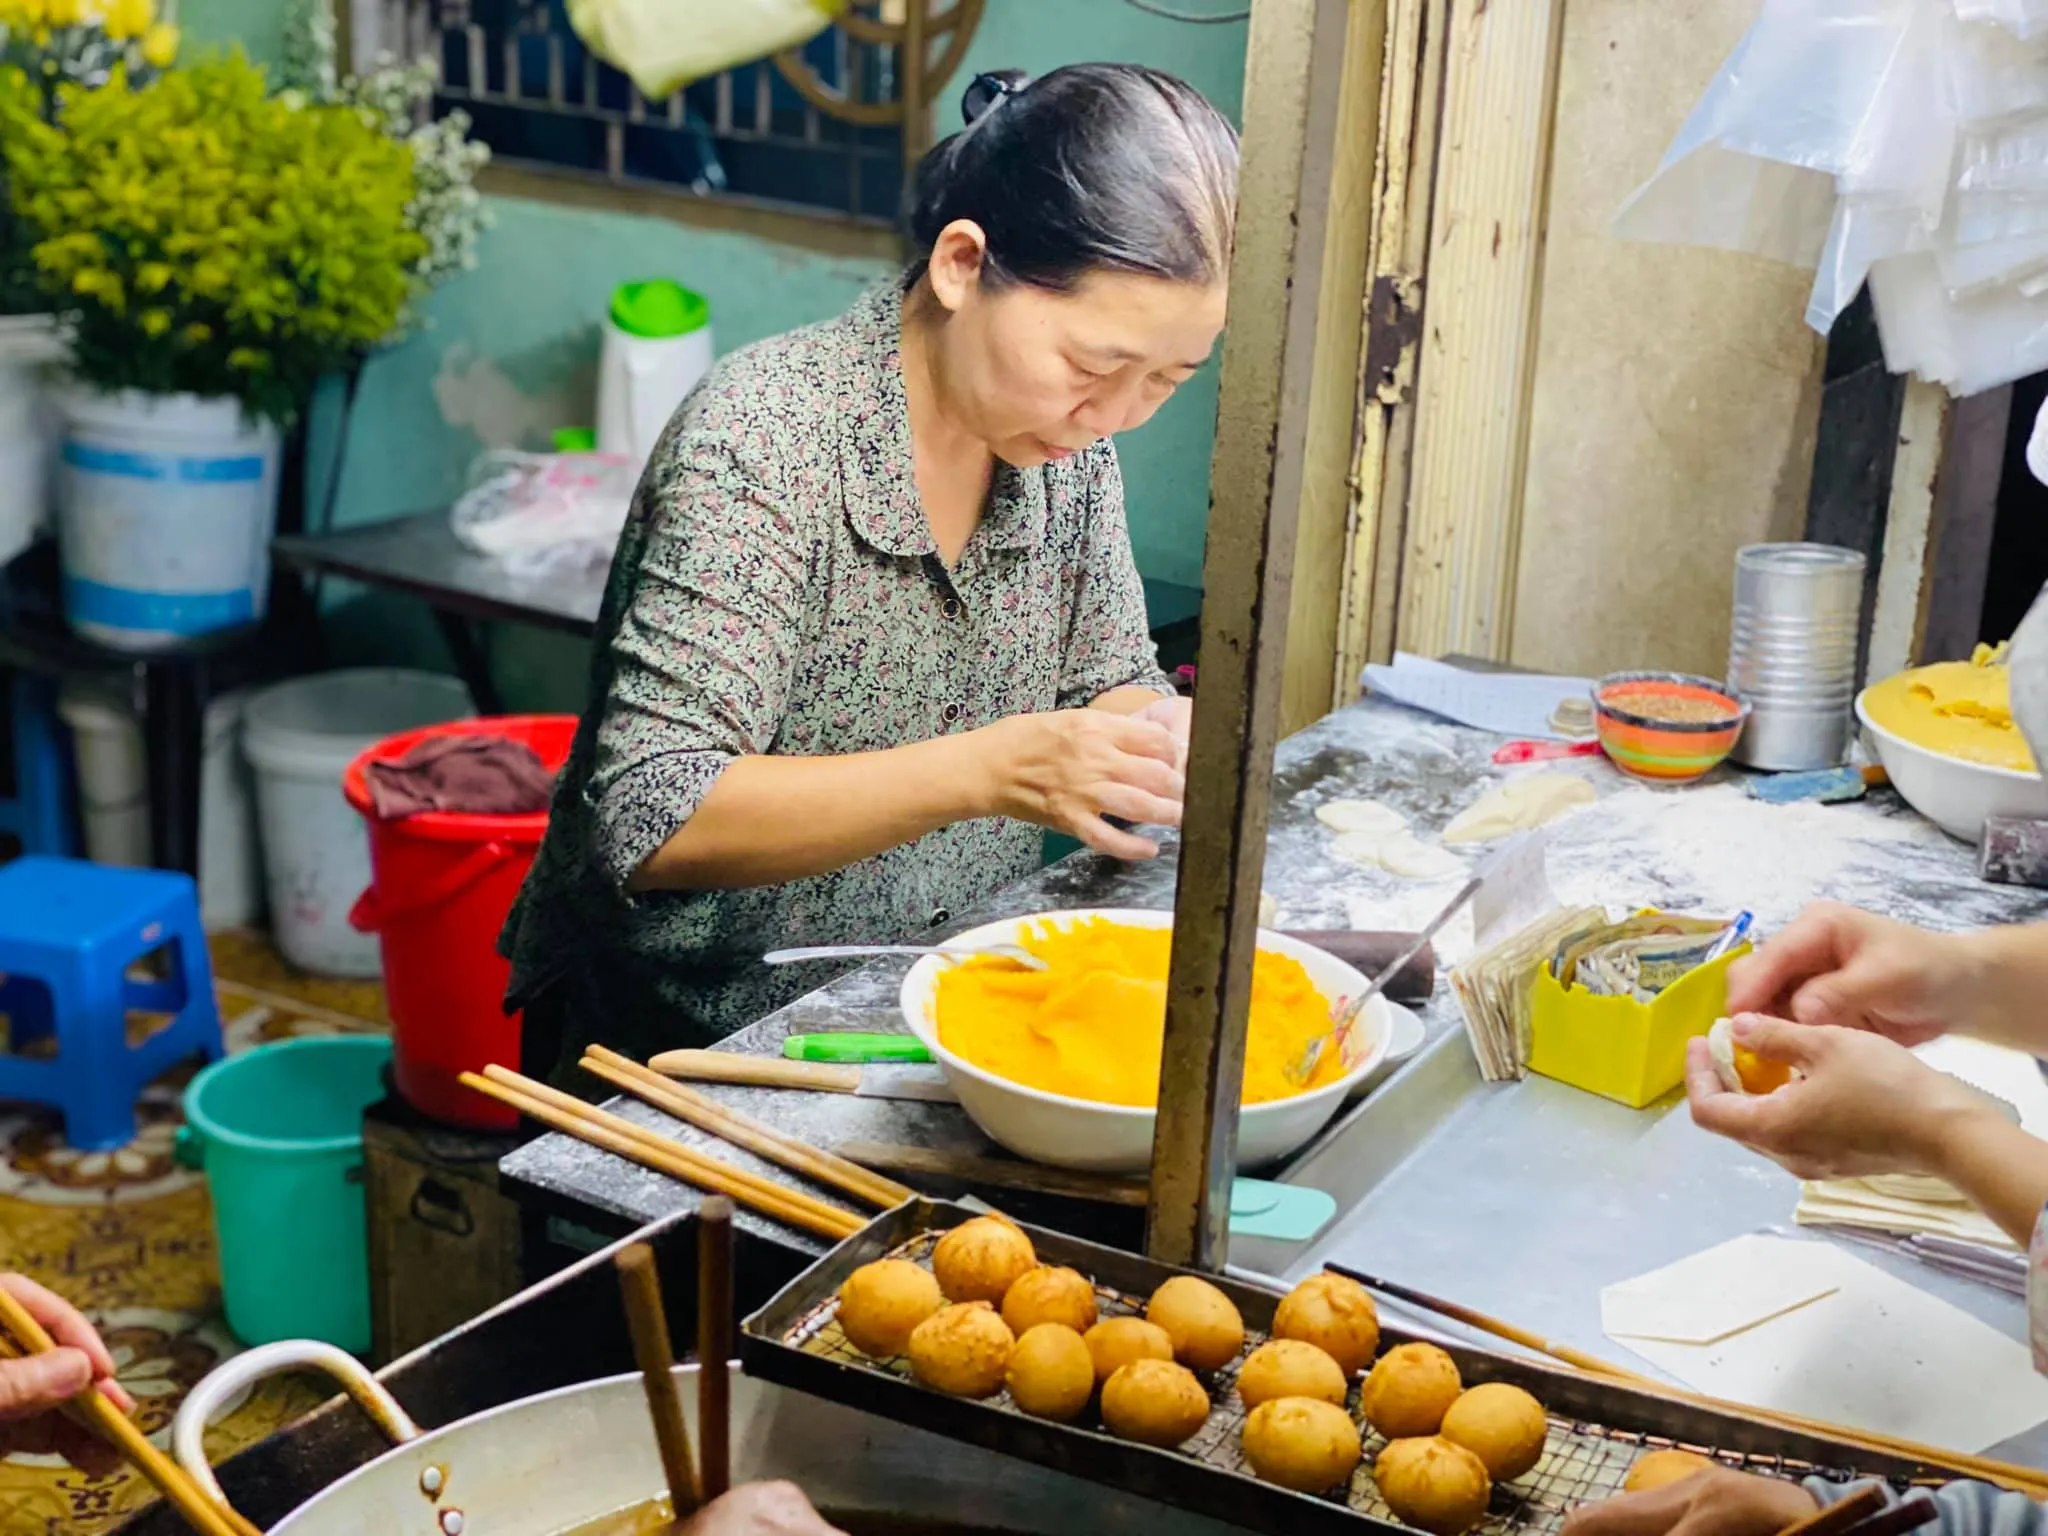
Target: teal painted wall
[[511, 349]]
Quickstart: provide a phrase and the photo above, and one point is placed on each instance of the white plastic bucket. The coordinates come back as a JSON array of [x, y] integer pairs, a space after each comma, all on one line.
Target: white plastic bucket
[[24, 457], [113, 798], [165, 508], [300, 736]]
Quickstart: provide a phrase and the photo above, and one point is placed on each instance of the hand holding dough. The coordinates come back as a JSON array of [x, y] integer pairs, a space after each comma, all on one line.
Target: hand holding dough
[[1517, 806]]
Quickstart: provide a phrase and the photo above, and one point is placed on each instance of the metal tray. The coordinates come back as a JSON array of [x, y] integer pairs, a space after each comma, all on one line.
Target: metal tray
[[1596, 1430]]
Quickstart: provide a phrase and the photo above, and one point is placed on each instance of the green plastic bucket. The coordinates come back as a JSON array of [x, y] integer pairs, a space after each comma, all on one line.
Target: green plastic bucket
[[279, 1131]]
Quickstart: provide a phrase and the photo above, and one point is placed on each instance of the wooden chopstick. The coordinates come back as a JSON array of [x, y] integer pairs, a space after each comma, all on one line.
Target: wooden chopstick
[[2025, 1480], [1908, 1515], [569, 1104], [707, 1114], [714, 1344], [118, 1430], [1840, 1518], [639, 1145], [647, 1321]]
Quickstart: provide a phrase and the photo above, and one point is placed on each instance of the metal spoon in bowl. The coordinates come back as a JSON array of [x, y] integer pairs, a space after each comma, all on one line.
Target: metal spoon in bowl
[[1014, 953]]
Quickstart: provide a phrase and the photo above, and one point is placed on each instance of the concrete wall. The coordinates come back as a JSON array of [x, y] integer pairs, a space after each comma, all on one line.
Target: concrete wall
[[512, 349]]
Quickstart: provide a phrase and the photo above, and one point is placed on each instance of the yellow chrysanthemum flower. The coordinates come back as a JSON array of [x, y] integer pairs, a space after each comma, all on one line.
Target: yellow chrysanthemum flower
[[64, 13], [129, 18], [160, 45]]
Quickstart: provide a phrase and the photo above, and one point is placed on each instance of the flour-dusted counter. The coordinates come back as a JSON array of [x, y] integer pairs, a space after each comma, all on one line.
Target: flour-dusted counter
[[1520, 1199]]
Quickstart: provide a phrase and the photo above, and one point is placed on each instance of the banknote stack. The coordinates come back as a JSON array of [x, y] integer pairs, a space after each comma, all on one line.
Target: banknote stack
[[1582, 947]]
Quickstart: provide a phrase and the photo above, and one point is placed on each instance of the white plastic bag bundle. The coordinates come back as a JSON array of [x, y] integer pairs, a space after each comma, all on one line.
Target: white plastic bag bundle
[[543, 514], [1903, 143], [662, 45]]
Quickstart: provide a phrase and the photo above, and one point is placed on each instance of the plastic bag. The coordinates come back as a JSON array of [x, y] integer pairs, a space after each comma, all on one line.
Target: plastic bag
[[662, 45], [541, 514]]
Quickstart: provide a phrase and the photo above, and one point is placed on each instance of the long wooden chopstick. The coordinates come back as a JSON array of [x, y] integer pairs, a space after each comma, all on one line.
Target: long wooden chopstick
[[647, 1321], [2025, 1480], [707, 1114], [568, 1103], [714, 1344], [1839, 1518], [639, 1145], [1907, 1515], [121, 1432]]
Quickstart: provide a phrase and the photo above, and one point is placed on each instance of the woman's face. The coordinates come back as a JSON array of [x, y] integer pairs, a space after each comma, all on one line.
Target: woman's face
[[1038, 375]]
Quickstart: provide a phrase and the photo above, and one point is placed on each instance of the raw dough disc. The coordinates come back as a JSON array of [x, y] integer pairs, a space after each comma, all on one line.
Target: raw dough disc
[[1408, 856], [1517, 806], [1269, 910], [1360, 816], [1362, 847]]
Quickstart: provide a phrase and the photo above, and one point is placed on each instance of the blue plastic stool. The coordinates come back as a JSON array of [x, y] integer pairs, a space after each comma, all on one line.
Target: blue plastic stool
[[41, 814], [69, 932]]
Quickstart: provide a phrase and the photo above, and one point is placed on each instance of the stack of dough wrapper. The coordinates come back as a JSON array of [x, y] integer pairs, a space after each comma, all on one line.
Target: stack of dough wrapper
[[1493, 989]]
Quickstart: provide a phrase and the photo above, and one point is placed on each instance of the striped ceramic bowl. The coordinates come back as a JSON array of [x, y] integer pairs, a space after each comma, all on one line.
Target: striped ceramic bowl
[[1668, 726]]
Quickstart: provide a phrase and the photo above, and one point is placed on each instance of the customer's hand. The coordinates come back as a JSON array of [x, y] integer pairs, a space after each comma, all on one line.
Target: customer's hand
[[760, 1509], [1836, 965], [1069, 768], [35, 1388], [1717, 1502], [1861, 1105]]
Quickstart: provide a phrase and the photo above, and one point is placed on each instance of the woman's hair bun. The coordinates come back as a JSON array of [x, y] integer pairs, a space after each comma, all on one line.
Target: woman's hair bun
[[989, 88]]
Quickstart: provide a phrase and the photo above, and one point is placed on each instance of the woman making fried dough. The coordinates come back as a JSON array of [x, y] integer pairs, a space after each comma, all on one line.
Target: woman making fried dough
[[1842, 996], [874, 621]]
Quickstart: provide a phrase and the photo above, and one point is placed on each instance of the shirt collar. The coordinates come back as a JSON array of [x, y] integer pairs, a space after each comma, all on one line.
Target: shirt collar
[[882, 504]]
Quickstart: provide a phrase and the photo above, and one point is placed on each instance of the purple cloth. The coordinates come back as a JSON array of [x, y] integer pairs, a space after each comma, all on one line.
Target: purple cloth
[[474, 775]]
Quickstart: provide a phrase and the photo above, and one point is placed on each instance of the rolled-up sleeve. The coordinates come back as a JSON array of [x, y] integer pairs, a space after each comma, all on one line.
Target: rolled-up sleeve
[[1108, 641], [701, 660]]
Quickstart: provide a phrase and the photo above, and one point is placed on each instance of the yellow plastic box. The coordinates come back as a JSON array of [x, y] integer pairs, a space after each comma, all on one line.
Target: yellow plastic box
[[1631, 1052]]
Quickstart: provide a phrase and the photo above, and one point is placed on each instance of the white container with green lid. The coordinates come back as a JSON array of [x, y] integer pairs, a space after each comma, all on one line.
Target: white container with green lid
[[657, 347]]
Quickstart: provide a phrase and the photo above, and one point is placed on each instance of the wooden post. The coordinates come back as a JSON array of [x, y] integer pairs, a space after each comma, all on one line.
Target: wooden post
[[1294, 59]]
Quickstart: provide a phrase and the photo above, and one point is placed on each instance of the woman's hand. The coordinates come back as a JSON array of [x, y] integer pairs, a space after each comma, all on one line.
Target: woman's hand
[[1712, 1503], [760, 1509], [35, 1388], [1177, 714], [1837, 966], [1069, 768], [1863, 1105]]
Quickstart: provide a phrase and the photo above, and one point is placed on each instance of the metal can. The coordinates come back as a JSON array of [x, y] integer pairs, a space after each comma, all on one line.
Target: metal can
[[1792, 653]]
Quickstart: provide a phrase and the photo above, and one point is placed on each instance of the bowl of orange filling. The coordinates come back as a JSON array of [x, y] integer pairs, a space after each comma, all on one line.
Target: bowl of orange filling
[[1062, 1065]]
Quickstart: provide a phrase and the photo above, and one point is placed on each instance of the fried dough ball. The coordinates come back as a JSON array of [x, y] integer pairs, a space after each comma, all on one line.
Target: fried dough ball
[[1117, 1341], [1433, 1485], [1660, 1469], [962, 1350], [1336, 1315], [1303, 1443], [1289, 1368], [980, 1260], [881, 1303], [1154, 1402], [1410, 1391], [1047, 1295], [1050, 1374], [1500, 1424], [1204, 1324]]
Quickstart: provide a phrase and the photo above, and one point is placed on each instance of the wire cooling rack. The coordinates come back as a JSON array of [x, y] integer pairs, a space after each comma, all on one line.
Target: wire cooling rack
[[1582, 1462]]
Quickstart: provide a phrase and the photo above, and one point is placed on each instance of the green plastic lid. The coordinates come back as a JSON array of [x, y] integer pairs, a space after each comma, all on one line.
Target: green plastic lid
[[575, 440], [659, 307]]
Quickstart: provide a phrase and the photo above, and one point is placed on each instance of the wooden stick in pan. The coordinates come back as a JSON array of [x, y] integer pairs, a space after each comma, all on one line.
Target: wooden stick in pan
[[1839, 1518], [639, 1145], [647, 1321], [707, 1114], [2025, 1480], [714, 1343], [1908, 1515], [118, 1430]]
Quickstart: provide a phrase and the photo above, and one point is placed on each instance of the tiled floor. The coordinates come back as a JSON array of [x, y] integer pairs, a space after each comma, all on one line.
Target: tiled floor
[[127, 1235]]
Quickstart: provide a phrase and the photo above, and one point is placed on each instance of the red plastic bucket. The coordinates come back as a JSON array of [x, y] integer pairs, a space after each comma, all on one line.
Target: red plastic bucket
[[441, 886]]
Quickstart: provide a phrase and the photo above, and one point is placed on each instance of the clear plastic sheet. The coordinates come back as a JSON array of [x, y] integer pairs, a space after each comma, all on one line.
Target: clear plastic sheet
[[542, 514], [1900, 143]]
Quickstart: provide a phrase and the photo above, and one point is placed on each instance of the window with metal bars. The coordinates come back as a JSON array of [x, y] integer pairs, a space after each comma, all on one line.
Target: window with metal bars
[[752, 134]]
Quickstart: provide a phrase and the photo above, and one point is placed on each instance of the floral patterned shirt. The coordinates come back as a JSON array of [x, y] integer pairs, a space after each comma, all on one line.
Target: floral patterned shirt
[[777, 590]]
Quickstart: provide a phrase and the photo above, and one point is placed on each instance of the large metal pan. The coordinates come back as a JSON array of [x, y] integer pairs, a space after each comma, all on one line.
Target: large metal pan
[[548, 1464]]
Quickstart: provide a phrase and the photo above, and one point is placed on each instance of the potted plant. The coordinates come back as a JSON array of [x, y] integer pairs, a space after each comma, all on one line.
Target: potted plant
[[68, 42], [214, 250]]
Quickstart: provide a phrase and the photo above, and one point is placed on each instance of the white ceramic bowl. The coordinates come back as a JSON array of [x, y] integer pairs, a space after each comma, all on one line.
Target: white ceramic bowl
[[1953, 794], [1116, 1138]]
